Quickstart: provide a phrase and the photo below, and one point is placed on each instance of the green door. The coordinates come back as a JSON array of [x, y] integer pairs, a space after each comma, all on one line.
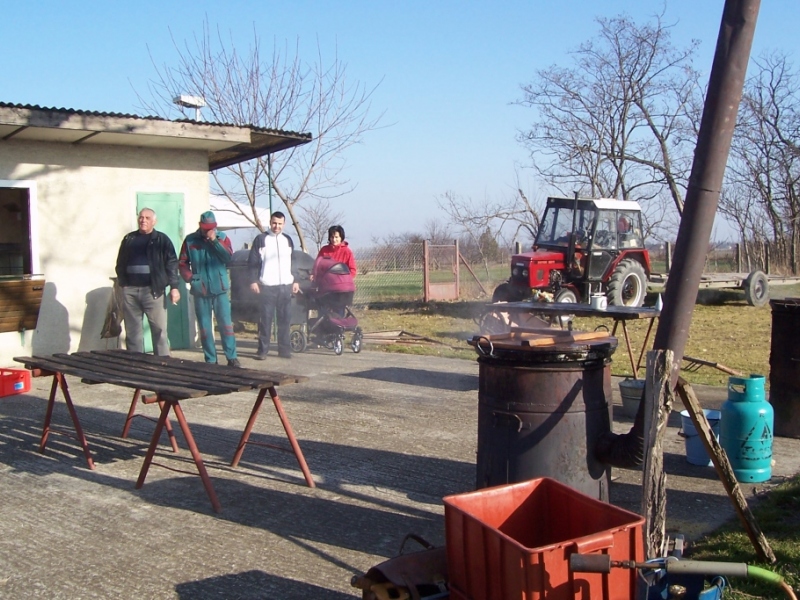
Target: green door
[[169, 220]]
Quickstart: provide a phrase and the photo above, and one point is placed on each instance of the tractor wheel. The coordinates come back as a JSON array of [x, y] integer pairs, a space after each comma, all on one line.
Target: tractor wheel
[[756, 289], [627, 286], [502, 293], [564, 295]]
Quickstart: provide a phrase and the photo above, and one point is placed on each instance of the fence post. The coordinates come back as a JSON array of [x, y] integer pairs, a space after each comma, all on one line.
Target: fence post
[[766, 258], [667, 255], [738, 258], [426, 276], [456, 265]]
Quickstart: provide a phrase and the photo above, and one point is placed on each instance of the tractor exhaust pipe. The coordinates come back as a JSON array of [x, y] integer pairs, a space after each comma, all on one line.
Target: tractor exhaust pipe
[[725, 87]]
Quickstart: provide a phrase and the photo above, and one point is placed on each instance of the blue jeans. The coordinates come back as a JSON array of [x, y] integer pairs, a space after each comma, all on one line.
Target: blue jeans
[[139, 302], [221, 306], [275, 300]]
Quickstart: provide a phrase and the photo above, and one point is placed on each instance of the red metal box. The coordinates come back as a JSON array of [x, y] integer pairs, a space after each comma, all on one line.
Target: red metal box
[[514, 542], [14, 381]]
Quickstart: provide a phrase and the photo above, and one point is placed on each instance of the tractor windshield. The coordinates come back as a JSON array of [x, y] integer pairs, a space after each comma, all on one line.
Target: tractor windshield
[[558, 223]]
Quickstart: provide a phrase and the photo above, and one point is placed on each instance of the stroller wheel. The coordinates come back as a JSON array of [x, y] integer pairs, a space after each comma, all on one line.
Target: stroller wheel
[[338, 345], [355, 343], [298, 341]]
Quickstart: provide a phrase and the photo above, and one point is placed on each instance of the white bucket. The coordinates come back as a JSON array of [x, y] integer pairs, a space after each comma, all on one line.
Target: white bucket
[[630, 390], [695, 449], [599, 302]]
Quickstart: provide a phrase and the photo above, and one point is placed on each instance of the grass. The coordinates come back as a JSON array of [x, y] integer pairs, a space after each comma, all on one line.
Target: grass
[[778, 516]]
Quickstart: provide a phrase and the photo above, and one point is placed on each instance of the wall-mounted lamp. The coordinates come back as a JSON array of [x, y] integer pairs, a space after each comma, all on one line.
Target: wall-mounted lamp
[[186, 101]]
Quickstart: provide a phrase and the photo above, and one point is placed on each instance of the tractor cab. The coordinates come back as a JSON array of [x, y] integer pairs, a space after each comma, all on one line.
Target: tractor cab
[[584, 247]]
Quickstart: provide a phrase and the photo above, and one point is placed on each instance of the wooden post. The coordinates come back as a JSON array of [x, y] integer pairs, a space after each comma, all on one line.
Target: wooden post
[[426, 275], [738, 258], [766, 258], [725, 471], [667, 256], [456, 254], [658, 399]]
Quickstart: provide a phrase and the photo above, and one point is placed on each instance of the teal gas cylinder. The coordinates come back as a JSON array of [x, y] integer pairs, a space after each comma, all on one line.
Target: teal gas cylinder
[[746, 429]]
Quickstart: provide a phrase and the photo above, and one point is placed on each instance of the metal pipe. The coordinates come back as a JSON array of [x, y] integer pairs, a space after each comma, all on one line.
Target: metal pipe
[[725, 87]]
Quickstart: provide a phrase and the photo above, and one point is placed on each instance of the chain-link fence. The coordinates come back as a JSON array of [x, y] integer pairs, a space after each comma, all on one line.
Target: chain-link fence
[[395, 273], [389, 274]]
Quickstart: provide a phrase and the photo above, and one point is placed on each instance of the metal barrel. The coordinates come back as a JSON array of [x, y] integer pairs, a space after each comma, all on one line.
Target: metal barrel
[[784, 367], [540, 414]]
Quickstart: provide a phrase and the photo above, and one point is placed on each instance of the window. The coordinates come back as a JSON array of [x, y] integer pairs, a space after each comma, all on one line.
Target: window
[[16, 256]]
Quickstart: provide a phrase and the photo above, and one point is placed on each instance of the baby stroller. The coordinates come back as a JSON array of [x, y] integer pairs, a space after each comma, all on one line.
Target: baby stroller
[[331, 297]]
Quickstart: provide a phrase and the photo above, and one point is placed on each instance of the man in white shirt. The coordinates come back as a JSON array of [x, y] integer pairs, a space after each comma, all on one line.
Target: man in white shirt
[[270, 267]]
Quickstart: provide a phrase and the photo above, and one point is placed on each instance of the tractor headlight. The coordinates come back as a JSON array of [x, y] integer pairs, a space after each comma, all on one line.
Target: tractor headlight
[[525, 273], [515, 272]]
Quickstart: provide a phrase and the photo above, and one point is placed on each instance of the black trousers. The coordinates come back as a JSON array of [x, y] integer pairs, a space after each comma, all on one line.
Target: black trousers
[[275, 301]]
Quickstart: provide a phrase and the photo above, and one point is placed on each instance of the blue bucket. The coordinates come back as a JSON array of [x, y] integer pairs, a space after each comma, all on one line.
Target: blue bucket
[[695, 450]]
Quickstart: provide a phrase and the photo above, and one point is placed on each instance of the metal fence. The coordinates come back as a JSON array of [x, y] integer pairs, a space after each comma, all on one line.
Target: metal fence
[[395, 274]]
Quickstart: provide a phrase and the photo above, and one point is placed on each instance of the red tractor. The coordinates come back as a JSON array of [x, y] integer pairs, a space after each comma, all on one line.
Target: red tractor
[[583, 248]]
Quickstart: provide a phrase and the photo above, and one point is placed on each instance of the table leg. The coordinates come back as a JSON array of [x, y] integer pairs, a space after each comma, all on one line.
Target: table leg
[[151, 450], [292, 440], [644, 344], [248, 428], [198, 459], [48, 416], [630, 350], [132, 413], [75, 421]]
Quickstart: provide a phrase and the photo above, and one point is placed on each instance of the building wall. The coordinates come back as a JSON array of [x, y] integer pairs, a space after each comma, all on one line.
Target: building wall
[[85, 200]]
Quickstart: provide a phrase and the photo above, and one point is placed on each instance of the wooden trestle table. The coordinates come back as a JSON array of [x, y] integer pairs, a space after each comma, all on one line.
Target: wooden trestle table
[[169, 381]]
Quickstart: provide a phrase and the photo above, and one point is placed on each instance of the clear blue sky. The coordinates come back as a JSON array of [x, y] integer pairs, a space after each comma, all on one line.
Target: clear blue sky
[[450, 71]]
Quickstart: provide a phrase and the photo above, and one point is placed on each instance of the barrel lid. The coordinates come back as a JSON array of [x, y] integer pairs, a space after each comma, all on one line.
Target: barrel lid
[[788, 304], [545, 346]]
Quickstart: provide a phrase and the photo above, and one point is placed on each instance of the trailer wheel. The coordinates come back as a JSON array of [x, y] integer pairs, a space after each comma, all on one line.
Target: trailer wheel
[[627, 286], [756, 289]]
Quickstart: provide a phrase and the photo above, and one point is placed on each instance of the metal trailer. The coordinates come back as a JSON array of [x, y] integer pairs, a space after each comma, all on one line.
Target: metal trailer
[[755, 285]]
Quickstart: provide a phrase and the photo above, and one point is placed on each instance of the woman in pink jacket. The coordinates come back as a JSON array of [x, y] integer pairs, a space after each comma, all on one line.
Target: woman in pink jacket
[[336, 251]]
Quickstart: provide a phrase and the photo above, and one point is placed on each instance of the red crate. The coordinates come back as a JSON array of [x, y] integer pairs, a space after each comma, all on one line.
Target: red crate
[[14, 381], [514, 542]]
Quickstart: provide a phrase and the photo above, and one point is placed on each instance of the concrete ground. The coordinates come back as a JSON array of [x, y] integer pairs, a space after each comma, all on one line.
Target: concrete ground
[[386, 436]]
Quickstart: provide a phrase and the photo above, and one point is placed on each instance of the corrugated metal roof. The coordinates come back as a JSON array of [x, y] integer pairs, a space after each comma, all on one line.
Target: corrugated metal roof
[[227, 143], [97, 113]]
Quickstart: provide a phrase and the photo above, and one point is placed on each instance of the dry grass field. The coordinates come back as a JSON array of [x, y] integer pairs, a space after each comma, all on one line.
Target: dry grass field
[[724, 330]]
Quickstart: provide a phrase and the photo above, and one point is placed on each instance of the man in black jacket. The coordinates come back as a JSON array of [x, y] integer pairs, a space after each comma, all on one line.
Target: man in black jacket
[[146, 264]]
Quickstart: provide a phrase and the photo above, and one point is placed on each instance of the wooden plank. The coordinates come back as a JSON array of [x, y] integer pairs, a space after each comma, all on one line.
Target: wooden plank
[[258, 377], [111, 371], [60, 366], [658, 401], [725, 471]]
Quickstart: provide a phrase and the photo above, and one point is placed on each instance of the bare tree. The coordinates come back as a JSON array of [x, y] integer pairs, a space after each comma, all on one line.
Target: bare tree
[[621, 121], [316, 218], [764, 171], [275, 90], [437, 232]]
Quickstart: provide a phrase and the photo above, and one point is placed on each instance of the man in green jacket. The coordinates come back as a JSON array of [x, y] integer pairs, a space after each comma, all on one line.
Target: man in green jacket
[[203, 263]]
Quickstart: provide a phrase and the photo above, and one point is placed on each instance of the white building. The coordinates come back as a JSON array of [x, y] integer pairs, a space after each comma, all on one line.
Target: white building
[[71, 185]]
